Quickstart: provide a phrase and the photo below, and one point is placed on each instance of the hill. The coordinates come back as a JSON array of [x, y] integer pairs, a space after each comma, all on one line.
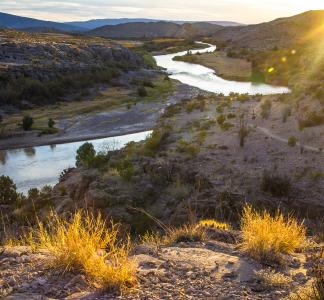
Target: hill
[[156, 29], [95, 23], [280, 32], [17, 22]]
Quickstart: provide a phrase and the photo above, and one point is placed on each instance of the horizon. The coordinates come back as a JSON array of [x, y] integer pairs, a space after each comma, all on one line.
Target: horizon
[[226, 10]]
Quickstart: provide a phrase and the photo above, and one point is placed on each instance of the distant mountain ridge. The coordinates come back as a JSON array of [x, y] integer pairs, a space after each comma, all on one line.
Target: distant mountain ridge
[[17, 22], [156, 30], [92, 24]]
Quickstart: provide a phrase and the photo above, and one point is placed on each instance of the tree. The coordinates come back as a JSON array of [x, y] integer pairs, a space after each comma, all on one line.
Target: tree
[[8, 190], [85, 155], [27, 122], [51, 123]]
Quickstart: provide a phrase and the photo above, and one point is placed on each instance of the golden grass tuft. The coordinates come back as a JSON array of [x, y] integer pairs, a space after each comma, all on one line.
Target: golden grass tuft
[[210, 223], [266, 237], [186, 233], [85, 244]]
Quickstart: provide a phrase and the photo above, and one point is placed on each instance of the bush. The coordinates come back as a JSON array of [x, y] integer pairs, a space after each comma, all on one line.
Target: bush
[[265, 109], [292, 141], [209, 223], [85, 155], [278, 186], [51, 123], [27, 122], [8, 190], [125, 170], [266, 238], [221, 120], [188, 148], [154, 141], [142, 92], [85, 244]]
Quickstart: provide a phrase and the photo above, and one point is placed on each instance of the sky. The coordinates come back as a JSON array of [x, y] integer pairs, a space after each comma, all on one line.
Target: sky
[[244, 11]]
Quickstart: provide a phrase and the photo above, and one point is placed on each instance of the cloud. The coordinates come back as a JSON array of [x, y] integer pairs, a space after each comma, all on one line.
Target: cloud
[[247, 11]]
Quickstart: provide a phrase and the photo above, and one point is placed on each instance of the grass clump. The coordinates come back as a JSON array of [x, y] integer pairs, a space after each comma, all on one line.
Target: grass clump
[[266, 237], [210, 223], [187, 147], [276, 185], [292, 141], [85, 244], [185, 234]]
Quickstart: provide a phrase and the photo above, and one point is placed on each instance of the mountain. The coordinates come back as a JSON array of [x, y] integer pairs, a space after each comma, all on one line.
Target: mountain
[[92, 24], [17, 22], [156, 29], [280, 32]]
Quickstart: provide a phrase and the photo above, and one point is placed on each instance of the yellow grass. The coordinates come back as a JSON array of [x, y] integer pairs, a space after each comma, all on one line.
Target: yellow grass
[[266, 237], [186, 233], [214, 224], [85, 244]]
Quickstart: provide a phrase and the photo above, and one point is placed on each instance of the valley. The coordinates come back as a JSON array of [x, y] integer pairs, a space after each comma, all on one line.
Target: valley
[[163, 160]]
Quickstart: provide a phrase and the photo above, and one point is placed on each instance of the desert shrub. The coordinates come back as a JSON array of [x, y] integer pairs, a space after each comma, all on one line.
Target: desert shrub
[[201, 137], [286, 112], [312, 119], [85, 244], [154, 141], [221, 119], [265, 109], [226, 126], [188, 148], [277, 185], [51, 123], [231, 116], [266, 237], [292, 141], [27, 122], [141, 91], [85, 155], [179, 190], [125, 169], [172, 110], [8, 190], [210, 223]]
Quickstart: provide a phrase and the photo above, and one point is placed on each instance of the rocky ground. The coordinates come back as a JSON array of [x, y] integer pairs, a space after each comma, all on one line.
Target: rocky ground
[[210, 270]]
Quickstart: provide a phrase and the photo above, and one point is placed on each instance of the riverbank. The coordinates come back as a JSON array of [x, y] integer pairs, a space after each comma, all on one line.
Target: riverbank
[[112, 121], [226, 67]]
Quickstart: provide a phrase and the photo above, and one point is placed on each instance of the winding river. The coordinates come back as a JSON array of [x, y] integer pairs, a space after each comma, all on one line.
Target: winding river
[[39, 166]]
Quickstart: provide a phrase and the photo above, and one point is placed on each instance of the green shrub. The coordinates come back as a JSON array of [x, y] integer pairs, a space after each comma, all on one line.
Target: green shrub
[[8, 190], [313, 119], [221, 119], [142, 92], [27, 122], [292, 141], [51, 123], [188, 148], [85, 155], [125, 170], [154, 141]]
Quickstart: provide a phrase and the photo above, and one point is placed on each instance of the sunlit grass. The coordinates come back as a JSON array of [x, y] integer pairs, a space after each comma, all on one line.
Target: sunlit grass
[[85, 244], [210, 223], [266, 237]]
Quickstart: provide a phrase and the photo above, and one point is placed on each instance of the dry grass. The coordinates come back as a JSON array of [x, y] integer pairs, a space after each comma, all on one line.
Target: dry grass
[[266, 237], [186, 233], [272, 279], [85, 244], [209, 223]]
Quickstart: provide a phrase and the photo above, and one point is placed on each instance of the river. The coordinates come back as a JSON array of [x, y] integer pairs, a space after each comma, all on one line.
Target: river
[[39, 166]]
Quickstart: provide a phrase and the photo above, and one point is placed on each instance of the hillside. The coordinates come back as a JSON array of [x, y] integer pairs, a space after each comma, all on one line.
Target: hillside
[[156, 29], [17, 22], [280, 32]]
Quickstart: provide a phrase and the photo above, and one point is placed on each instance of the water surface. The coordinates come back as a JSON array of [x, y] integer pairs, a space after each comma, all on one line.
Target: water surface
[[39, 166], [205, 78]]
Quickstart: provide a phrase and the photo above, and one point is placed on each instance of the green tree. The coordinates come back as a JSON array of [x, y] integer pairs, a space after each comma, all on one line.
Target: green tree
[[8, 190], [51, 123], [27, 122], [85, 155]]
